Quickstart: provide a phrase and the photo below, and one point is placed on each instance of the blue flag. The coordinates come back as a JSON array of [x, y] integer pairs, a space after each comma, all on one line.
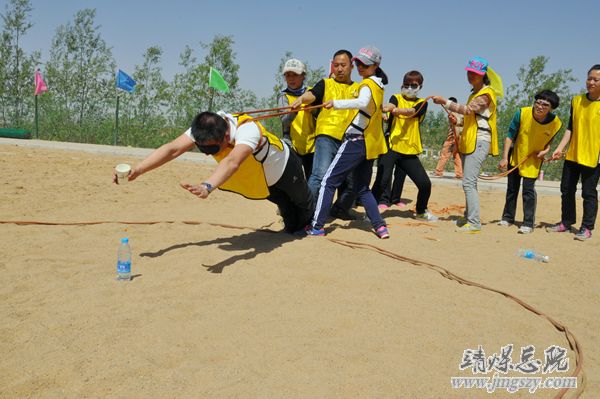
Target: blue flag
[[125, 82]]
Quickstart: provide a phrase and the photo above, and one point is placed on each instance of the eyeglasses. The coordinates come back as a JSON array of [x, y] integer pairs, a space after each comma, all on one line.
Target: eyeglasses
[[542, 104], [413, 86]]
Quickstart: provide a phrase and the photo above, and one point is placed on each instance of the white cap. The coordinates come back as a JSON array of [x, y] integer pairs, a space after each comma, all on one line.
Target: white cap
[[294, 65]]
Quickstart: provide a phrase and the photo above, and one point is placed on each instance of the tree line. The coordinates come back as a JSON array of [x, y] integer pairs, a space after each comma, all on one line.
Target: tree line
[[80, 73]]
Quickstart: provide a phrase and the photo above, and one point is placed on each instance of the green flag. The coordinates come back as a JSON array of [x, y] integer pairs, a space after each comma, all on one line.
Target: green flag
[[216, 81]]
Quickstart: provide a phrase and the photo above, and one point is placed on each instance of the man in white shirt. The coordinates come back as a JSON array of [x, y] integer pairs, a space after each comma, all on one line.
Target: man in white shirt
[[252, 162]]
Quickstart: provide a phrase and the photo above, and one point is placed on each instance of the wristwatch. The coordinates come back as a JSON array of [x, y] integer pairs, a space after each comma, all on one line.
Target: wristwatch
[[208, 186]]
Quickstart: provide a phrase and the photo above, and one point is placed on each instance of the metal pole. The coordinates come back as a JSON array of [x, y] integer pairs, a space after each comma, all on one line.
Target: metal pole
[[117, 122], [37, 126], [210, 100]]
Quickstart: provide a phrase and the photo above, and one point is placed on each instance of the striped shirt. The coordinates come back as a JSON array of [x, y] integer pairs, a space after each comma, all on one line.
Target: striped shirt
[[480, 106]]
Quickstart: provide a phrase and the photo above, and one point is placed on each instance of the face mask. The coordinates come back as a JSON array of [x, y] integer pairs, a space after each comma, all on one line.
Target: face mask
[[410, 92], [210, 149]]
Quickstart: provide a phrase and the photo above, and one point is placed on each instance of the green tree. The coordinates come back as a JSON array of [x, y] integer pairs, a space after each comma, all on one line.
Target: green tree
[[16, 67], [313, 75], [142, 114], [80, 70], [190, 91], [531, 79]]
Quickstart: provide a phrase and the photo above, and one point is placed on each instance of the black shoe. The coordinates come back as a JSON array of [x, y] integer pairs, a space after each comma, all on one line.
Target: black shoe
[[338, 213]]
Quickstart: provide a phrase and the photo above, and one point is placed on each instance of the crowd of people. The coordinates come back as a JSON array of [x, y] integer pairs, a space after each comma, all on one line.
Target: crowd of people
[[333, 147]]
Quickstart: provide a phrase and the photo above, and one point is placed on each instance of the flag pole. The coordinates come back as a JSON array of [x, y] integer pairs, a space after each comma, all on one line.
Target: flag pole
[[210, 99], [117, 121], [37, 126]]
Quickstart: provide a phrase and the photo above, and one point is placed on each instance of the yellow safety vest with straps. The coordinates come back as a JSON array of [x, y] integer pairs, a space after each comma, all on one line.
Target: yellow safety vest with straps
[[468, 138], [584, 147], [302, 129], [532, 137], [373, 132], [332, 122], [249, 180], [405, 136]]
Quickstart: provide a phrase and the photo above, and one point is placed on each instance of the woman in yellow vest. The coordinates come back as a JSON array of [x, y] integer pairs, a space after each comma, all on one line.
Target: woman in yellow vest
[[405, 146], [298, 129], [528, 141], [479, 136], [582, 158], [363, 143]]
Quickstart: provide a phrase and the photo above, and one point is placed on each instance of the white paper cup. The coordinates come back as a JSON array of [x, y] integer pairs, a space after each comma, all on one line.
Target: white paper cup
[[122, 170]]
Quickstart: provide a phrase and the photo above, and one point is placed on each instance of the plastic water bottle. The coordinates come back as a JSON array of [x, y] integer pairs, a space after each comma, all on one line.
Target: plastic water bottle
[[531, 254], [124, 261]]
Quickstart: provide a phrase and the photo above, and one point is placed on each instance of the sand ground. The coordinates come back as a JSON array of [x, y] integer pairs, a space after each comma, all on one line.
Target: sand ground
[[227, 308]]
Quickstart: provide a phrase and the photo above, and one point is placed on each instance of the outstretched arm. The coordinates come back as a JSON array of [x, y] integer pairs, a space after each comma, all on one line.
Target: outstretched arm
[[160, 156]]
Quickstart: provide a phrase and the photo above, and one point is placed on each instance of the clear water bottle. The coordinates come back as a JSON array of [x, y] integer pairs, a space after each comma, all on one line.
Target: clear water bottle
[[531, 254], [124, 261]]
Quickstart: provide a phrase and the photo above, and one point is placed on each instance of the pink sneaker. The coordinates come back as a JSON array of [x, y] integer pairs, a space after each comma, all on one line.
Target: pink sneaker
[[382, 207], [401, 204], [558, 228], [382, 232]]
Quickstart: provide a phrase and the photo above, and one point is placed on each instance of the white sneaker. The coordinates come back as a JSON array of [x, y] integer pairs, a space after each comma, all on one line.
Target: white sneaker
[[525, 230], [504, 223], [427, 216]]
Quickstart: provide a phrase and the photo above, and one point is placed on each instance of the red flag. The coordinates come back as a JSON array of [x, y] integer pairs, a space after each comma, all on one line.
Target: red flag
[[40, 85]]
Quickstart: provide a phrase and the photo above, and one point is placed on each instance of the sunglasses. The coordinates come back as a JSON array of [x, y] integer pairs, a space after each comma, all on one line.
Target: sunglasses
[[208, 149], [360, 64]]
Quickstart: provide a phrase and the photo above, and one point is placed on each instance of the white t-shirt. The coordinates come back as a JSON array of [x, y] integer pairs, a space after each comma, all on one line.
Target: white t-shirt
[[249, 134]]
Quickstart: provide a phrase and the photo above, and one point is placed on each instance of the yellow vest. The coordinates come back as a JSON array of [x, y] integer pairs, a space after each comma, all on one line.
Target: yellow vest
[[302, 129], [374, 138], [468, 138], [249, 180], [333, 122], [533, 137], [405, 136], [585, 137]]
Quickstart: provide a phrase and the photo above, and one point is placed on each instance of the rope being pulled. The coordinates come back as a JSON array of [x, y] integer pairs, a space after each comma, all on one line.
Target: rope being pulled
[[569, 336], [277, 114]]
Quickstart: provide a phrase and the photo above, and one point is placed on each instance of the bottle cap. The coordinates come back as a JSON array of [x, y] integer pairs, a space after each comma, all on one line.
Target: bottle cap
[[124, 240]]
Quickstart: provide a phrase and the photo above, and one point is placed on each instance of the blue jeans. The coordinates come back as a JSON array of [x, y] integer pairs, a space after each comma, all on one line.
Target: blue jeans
[[350, 161], [326, 148]]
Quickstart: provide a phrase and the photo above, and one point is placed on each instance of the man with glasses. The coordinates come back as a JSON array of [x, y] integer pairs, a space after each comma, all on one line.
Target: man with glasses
[[251, 161], [527, 142]]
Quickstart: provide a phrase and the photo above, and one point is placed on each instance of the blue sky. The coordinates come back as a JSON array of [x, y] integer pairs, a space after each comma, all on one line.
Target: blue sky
[[433, 37]]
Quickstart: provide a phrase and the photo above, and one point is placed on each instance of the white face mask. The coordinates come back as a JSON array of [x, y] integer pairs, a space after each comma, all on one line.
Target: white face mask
[[409, 92]]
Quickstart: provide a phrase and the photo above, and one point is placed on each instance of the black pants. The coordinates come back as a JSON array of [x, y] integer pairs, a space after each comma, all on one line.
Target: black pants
[[568, 186], [529, 199], [410, 166], [307, 161], [382, 193], [292, 196]]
